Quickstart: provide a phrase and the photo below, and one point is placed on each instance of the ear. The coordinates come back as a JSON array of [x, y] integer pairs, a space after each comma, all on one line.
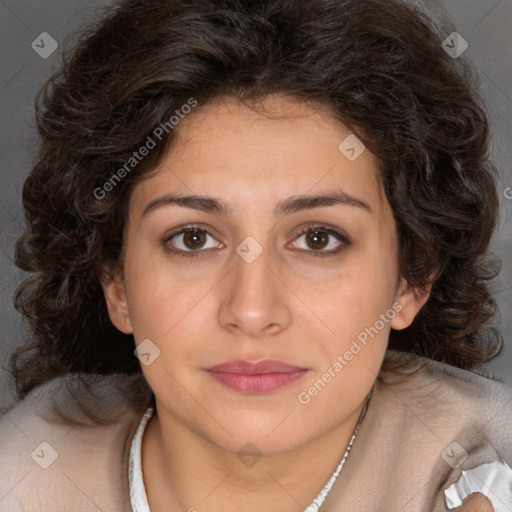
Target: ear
[[411, 301], [115, 297]]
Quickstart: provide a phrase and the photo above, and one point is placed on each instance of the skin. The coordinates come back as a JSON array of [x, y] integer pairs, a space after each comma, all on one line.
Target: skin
[[476, 503], [288, 304]]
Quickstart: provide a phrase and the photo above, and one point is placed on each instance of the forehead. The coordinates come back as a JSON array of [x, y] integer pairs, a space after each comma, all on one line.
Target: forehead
[[280, 147]]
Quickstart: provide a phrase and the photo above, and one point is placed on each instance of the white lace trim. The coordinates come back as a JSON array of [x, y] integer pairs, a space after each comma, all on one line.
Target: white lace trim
[[493, 479], [138, 497]]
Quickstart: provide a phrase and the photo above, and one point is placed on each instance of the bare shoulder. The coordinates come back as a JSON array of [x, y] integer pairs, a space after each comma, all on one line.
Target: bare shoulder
[[65, 448]]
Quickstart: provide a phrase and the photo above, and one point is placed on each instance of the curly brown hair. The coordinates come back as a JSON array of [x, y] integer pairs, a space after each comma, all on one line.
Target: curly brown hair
[[378, 66]]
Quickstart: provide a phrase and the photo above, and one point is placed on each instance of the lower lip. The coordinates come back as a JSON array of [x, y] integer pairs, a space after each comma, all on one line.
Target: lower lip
[[256, 383]]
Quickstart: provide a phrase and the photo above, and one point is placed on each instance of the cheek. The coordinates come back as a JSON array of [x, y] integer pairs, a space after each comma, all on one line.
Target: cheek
[[357, 306], [159, 298], [355, 296], [161, 312]]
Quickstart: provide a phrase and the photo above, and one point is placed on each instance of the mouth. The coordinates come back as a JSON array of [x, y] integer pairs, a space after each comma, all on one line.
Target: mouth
[[256, 377]]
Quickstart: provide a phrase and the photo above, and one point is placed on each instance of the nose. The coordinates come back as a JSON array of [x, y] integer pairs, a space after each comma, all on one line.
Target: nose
[[254, 302]]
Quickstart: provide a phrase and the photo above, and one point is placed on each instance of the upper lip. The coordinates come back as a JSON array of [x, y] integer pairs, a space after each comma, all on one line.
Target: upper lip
[[256, 367]]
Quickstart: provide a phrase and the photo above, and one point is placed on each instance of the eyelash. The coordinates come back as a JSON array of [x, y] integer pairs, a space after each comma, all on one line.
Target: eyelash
[[341, 237]]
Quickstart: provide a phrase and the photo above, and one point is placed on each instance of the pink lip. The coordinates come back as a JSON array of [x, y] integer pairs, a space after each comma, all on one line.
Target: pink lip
[[255, 377]]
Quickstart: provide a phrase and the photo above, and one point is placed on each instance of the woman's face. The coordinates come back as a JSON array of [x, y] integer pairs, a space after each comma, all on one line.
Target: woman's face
[[257, 281]]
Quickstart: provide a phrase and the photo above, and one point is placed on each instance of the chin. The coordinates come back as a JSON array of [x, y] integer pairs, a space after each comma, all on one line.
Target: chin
[[265, 434]]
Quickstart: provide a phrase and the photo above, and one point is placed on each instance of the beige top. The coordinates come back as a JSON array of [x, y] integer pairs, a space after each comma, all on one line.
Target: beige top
[[421, 434]]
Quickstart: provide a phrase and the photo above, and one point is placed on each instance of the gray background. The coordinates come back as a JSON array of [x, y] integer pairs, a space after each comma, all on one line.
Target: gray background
[[485, 24]]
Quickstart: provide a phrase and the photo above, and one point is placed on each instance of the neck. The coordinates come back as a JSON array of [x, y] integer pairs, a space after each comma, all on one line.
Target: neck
[[185, 471]]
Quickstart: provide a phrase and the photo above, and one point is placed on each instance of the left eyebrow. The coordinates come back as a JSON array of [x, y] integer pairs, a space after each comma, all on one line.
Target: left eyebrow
[[289, 205], [304, 202]]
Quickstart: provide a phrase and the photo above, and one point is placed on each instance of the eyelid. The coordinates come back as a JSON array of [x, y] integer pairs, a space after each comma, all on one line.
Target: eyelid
[[181, 230], [340, 235]]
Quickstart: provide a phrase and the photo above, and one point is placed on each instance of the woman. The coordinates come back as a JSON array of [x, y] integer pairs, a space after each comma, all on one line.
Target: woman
[[257, 234]]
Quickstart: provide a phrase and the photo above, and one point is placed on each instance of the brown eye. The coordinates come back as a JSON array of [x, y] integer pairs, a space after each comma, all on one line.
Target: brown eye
[[193, 238], [317, 239], [321, 241], [190, 241]]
